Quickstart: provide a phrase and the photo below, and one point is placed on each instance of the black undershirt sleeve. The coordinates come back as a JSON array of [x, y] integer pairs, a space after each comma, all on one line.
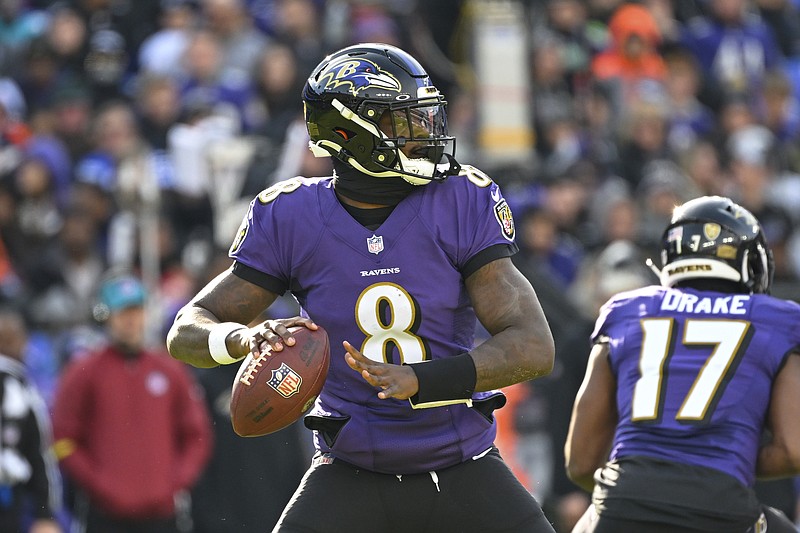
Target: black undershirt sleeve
[[256, 277], [486, 256]]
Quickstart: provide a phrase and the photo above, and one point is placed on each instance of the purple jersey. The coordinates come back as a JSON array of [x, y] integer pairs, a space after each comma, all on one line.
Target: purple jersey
[[395, 293], [694, 372]]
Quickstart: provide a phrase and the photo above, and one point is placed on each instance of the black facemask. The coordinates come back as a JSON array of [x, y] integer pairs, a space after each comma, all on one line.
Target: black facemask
[[364, 188]]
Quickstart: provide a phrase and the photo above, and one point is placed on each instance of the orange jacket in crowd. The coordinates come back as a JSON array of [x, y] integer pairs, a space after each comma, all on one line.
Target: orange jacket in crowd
[[615, 62]]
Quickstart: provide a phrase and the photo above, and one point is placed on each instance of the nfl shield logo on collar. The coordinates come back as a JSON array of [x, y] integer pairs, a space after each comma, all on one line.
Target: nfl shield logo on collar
[[375, 244]]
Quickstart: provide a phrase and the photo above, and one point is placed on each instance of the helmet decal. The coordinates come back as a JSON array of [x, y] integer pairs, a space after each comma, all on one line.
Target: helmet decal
[[675, 234], [359, 74], [726, 251], [711, 230]]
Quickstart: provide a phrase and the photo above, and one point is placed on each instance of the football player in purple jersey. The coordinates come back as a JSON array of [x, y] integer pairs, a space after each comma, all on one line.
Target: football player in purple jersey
[[692, 388], [398, 256]]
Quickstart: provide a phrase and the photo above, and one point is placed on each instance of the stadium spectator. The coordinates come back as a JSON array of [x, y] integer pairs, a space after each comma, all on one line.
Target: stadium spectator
[[67, 38], [631, 65], [278, 81], [241, 43], [663, 186], [37, 205], [565, 23], [600, 129], [299, 24], [783, 17], [128, 401], [734, 49], [189, 142], [63, 281], [158, 108], [701, 163], [555, 252], [779, 110], [161, 52], [689, 120], [643, 140], [208, 84], [130, 24], [20, 25], [68, 115]]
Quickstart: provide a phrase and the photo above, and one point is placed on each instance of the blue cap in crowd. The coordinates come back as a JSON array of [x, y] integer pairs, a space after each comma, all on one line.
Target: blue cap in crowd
[[122, 292]]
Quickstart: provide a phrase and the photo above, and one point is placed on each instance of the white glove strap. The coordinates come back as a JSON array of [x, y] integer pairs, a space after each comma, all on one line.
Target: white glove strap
[[216, 342]]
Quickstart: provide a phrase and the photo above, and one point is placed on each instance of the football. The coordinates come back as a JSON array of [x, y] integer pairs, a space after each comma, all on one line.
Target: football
[[274, 389]]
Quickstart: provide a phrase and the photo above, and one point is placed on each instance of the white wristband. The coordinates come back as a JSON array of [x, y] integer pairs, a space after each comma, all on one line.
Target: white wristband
[[216, 342]]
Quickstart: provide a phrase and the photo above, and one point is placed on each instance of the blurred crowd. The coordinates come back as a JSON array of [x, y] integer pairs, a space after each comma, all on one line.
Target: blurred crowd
[[134, 133]]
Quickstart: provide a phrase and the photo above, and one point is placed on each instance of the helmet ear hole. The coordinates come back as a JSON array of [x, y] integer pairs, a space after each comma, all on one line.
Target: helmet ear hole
[[344, 134]]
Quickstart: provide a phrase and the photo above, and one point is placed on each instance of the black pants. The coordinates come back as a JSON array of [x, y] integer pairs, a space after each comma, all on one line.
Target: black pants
[[90, 519], [480, 496], [651, 495], [776, 522], [99, 523]]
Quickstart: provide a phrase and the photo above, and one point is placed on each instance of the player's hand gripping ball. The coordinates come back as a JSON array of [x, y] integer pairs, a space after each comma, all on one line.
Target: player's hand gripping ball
[[273, 389]]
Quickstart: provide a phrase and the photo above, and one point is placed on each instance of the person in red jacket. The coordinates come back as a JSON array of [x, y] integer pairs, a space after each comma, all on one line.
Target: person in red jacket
[[132, 432]]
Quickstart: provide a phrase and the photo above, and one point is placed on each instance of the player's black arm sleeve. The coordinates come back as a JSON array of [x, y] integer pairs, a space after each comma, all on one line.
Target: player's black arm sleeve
[[486, 256], [256, 277]]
